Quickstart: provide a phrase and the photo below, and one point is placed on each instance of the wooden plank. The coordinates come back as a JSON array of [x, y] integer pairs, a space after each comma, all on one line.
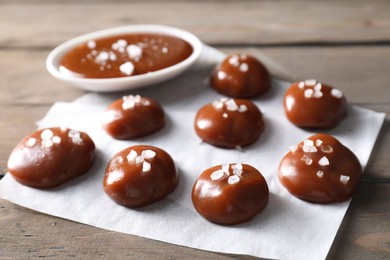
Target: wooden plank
[[364, 234], [48, 23]]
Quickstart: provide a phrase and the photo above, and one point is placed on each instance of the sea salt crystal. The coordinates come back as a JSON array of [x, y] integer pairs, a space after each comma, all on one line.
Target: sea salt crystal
[[127, 68], [308, 142], [148, 154], [216, 175], [225, 115], [91, 44], [323, 161], [233, 179], [128, 102], [102, 57], [310, 82], [326, 149], [318, 142], [308, 93], [301, 85], [231, 105], [317, 94], [75, 136], [307, 160], [336, 93], [146, 167], [237, 169], [234, 61], [242, 108], [31, 142], [139, 159], [134, 51], [318, 86], [131, 156], [121, 43], [309, 149], [320, 174], [217, 104], [164, 50], [47, 134], [225, 168], [56, 139], [244, 67], [112, 56], [223, 100], [344, 179], [239, 148]]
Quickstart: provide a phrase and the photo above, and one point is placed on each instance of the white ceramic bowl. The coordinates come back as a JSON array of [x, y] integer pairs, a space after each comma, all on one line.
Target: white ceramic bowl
[[124, 83]]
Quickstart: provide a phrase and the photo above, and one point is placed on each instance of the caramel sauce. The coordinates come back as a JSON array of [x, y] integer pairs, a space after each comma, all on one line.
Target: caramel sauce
[[124, 55]]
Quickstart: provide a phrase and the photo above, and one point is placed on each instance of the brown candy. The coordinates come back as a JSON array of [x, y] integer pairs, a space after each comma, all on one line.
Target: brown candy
[[132, 117], [320, 169], [230, 194], [241, 76], [49, 157], [140, 175], [229, 123], [314, 105]]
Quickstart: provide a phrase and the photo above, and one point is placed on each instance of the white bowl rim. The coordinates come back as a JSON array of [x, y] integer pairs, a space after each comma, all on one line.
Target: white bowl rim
[[52, 61]]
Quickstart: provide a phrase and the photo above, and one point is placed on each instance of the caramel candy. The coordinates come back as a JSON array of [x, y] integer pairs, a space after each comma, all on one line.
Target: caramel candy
[[314, 105], [229, 123], [132, 117], [49, 157], [140, 175], [241, 76], [320, 169], [230, 194]]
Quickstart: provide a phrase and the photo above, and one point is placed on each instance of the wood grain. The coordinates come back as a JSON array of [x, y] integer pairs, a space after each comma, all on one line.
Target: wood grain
[[47, 23], [344, 43]]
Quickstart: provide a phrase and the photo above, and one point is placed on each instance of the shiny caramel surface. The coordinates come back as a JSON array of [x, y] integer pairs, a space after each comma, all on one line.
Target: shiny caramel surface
[[140, 175], [241, 76], [230, 194], [133, 116], [124, 55], [229, 123], [50, 157], [320, 169], [312, 104]]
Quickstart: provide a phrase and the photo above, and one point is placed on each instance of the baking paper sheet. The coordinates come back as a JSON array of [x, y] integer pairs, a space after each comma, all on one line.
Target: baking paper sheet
[[287, 229]]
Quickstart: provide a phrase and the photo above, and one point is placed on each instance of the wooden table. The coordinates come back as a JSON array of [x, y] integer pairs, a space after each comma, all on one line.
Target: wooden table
[[344, 43]]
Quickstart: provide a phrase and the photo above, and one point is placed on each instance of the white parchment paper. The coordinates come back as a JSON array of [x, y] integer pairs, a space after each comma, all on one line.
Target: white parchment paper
[[287, 229]]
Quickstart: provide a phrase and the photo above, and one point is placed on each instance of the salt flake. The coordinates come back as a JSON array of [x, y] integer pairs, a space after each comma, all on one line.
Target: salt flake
[[216, 175], [131, 156], [233, 179], [326, 149], [47, 134], [146, 167], [127, 68], [336, 93], [323, 161], [320, 174], [148, 154], [344, 179]]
